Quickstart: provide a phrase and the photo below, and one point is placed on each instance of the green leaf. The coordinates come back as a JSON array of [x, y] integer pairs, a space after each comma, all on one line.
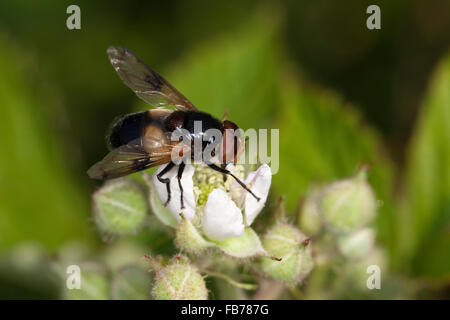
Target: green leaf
[[425, 222], [40, 199], [322, 139], [236, 71]]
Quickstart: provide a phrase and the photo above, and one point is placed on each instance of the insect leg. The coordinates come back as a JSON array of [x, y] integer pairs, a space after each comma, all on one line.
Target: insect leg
[[223, 166], [179, 175], [225, 171], [166, 180]]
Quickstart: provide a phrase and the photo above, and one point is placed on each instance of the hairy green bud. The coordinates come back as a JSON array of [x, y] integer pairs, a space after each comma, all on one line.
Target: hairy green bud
[[349, 204], [179, 281], [309, 219], [120, 207], [359, 272], [357, 244], [189, 239], [293, 247]]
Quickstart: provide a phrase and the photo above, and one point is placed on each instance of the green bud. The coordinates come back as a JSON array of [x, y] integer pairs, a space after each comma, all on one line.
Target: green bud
[[94, 285], [309, 220], [358, 244], [120, 207], [29, 265], [131, 283], [179, 281], [357, 273], [293, 247], [349, 204], [189, 239]]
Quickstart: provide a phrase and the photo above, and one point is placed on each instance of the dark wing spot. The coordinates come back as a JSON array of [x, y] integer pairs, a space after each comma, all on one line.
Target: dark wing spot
[[155, 81], [141, 164]]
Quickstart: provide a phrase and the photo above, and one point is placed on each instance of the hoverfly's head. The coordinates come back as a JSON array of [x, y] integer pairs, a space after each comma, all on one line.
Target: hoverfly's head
[[232, 142]]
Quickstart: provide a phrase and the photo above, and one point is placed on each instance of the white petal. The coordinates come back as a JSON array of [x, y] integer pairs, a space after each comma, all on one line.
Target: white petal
[[260, 181], [222, 219], [174, 206]]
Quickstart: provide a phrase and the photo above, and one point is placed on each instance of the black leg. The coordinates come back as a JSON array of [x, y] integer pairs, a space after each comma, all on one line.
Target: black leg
[[166, 180], [179, 175], [223, 166], [225, 171]]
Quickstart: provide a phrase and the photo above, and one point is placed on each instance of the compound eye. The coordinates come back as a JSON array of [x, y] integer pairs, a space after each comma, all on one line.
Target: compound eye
[[230, 125], [232, 144]]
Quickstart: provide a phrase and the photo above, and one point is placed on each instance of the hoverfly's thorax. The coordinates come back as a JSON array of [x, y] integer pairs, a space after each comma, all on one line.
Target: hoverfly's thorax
[[197, 122], [175, 120]]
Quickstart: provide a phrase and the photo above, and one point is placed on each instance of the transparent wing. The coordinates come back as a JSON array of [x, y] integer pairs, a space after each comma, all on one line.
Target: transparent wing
[[128, 159], [146, 83]]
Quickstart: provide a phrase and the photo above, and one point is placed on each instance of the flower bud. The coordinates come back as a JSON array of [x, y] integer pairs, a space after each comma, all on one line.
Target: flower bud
[[179, 281], [349, 204], [131, 283], [357, 244], [359, 272], [309, 220], [189, 239], [293, 247], [120, 207]]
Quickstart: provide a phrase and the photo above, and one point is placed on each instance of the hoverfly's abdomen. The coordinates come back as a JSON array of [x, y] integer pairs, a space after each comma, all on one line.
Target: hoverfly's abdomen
[[148, 126], [127, 128]]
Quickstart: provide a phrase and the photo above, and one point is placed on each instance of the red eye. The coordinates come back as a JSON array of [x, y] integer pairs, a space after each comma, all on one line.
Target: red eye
[[231, 142], [230, 125]]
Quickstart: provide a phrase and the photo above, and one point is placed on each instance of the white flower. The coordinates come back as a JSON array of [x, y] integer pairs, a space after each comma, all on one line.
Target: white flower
[[260, 181], [219, 204], [222, 219]]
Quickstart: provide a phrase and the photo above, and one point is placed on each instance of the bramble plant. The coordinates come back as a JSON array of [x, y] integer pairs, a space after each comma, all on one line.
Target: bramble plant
[[214, 235], [336, 98]]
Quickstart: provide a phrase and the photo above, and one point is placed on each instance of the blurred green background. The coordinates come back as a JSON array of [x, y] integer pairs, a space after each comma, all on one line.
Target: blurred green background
[[340, 94]]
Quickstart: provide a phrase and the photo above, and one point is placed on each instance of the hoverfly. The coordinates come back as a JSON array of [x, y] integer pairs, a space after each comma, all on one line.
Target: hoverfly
[[142, 140]]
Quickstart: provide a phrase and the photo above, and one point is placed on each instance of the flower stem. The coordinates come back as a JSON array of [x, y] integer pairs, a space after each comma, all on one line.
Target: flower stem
[[245, 286]]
